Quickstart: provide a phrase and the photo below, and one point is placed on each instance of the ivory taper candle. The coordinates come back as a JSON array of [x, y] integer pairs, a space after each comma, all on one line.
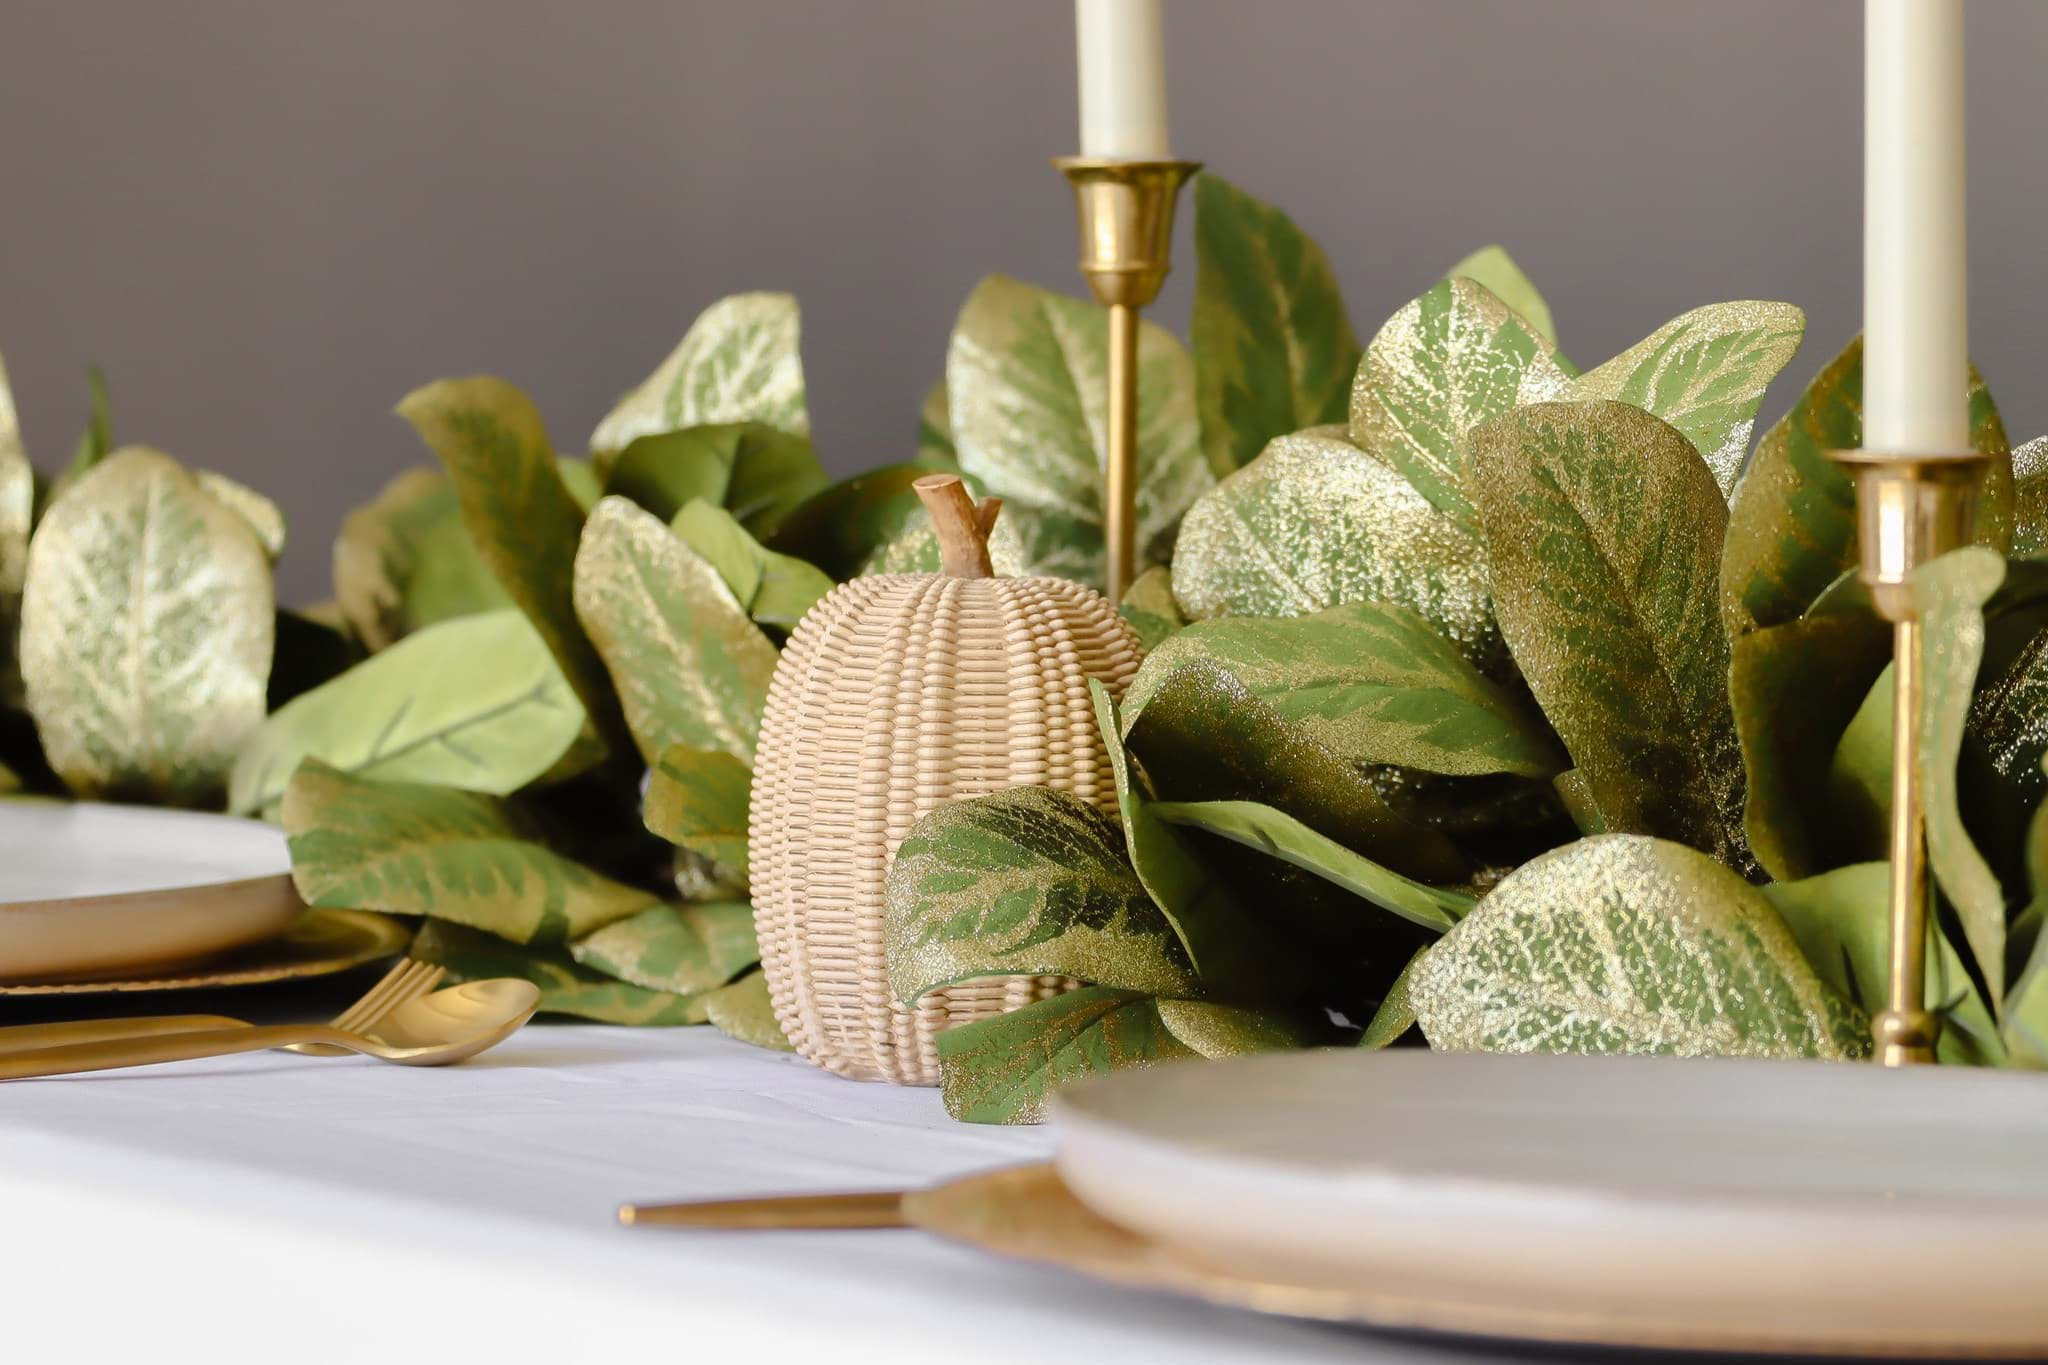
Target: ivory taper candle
[[1915, 272], [1122, 63]]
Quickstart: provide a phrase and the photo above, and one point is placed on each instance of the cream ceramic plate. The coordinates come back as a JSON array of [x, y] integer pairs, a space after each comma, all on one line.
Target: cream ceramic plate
[[89, 890], [1750, 1205]]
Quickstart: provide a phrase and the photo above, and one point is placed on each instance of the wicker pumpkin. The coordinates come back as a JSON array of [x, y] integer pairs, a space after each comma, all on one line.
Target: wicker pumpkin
[[896, 694]]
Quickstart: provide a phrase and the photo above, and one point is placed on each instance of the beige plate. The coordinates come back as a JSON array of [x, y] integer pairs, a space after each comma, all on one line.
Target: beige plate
[[318, 943], [1027, 1213], [89, 891]]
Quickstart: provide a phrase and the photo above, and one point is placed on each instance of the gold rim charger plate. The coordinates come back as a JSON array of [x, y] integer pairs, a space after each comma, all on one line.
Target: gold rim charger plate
[[103, 897]]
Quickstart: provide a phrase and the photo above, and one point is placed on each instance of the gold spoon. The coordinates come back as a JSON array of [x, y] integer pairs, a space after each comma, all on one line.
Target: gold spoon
[[434, 1030]]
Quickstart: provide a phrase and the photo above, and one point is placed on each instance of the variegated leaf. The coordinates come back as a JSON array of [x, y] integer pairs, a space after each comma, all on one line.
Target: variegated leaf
[[689, 666], [1274, 350], [1494, 270], [1704, 372], [935, 427], [1000, 1070], [1216, 1031], [1026, 377], [565, 987], [1445, 363], [756, 472], [2030, 499], [17, 514], [1025, 882], [1626, 944], [744, 1011], [405, 561], [698, 799], [1374, 683], [739, 362], [475, 703], [1792, 522], [410, 849], [681, 949], [264, 517], [1604, 530], [774, 589], [915, 549], [1314, 523], [147, 623]]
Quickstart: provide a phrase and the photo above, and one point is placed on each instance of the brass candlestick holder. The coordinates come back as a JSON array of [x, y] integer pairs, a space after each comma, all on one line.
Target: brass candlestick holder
[[1909, 509], [1126, 214]]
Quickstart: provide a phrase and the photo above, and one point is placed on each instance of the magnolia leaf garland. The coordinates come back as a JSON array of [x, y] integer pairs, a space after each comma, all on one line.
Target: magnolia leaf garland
[[147, 622], [2030, 499], [1494, 270], [1150, 609], [757, 473], [745, 1011], [739, 362], [263, 517], [1604, 529], [1274, 350], [689, 666], [840, 528], [1025, 882], [566, 987], [1627, 944], [1314, 523], [698, 799], [475, 703], [17, 515], [1026, 377], [405, 561], [1000, 1070], [774, 589], [681, 949]]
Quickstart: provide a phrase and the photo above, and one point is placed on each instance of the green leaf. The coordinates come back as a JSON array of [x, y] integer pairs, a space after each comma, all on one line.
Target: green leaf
[[841, 527], [565, 987], [1705, 373], [1373, 683], [681, 949], [1494, 270], [1203, 736], [1216, 1031], [1000, 1070], [1859, 779], [97, 441], [744, 1011], [757, 473], [147, 622], [1274, 349], [1026, 375], [263, 517], [698, 799], [520, 515], [1396, 1014], [17, 516], [774, 589], [475, 703], [1447, 362], [2030, 499], [1794, 690], [2007, 719], [1025, 882], [689, 666], [1149, 607], [1950, 593], [1315, 523], [935, 428], [1626, 944], [1282, 836], [1604, 530], [410, 849], [1233, 953], [915, 549], [2025, 1026], [1576, 793], [1842, 920], [739, 362], [406, 561], [1792, 523]]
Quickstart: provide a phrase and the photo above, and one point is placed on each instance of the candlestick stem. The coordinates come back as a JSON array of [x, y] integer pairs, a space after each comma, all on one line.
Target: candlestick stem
[[1904, 1032], [1125, 209]]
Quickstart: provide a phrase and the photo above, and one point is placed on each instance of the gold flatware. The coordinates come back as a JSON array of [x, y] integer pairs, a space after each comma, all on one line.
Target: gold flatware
[[876, 1209], [409, 980], [434, 1030]]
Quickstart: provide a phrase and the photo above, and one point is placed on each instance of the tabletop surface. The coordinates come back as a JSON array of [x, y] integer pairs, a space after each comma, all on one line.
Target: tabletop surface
[[479, 1200]]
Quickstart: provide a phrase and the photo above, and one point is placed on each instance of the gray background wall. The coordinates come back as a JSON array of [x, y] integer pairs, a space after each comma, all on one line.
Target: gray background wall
[[268, 219]]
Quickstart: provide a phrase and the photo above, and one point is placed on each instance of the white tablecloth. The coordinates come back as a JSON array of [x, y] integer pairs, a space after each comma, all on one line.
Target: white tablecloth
[[279, 1207]]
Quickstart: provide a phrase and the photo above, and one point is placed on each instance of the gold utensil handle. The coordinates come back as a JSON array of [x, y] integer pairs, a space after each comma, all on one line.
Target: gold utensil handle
[[174, 1047], [875, 1209], [29, 1037]]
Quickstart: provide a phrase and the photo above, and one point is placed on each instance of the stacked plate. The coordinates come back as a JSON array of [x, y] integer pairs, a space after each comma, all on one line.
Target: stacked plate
[[99, 897]]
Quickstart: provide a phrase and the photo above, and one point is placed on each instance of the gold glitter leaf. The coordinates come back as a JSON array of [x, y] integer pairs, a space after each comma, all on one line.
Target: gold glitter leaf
[[739, 362], [566, 987], [1704, 372], [1627, 944], [1025, 882], [1494, 270], [1445, 363], [1313, 523], [743, 1011], [1274, 350], [1000, 1070], [1217, 1031], [681, 949], [147, 623], [1792, 522], [698, 799], [689, 666], [2030, 499], [475, 703], [1026, 377], [405, 561], [1604, 529]]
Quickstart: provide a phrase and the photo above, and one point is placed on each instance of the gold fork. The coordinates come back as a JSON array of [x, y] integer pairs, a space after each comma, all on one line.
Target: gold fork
[[408, 980]]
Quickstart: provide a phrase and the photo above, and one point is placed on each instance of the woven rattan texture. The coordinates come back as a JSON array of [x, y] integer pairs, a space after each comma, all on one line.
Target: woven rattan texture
[[896, 694]]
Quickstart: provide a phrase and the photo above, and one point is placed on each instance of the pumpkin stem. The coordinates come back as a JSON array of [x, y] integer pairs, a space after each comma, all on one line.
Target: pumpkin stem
[[961, 526]]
